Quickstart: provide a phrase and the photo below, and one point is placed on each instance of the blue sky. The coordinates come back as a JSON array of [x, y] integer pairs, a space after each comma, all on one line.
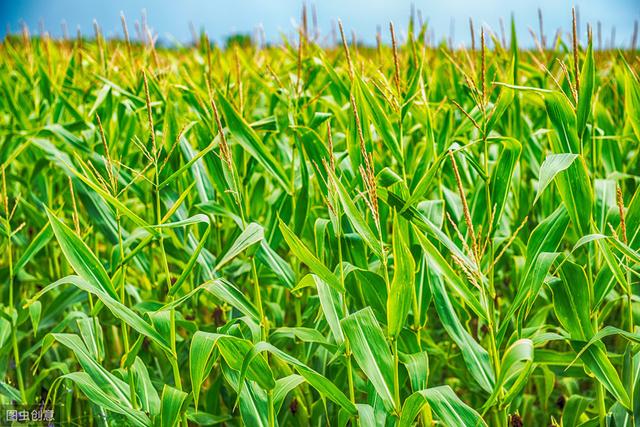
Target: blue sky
[[170, 18]]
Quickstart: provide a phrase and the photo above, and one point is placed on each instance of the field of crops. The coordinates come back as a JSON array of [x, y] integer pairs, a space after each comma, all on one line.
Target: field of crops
[[309, 235]]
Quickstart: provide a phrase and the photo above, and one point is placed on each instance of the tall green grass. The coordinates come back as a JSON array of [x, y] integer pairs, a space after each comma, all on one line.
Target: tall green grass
[[304, 235]]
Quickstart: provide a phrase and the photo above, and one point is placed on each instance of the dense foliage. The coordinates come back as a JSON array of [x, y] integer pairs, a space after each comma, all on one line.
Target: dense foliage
[[303, 235]]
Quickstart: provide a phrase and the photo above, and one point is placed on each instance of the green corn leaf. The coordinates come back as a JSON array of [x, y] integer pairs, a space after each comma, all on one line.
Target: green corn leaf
[[552, 166], [571, 301], [270, 258], [501, 177], [424, 183], [366, 415], [78, 254], [199, 170], [300, 333], [425, 225], [612, 262], [251, 235], [606, 332], [505, 99], [109, 383], [444, 403], [632, 255], [402, 284], [372, 353], [595, 358], [249, 140], [35, 313], [547, 235], [10, 392], [202, 418], [331, 303], [233, 350], [544, 240], [223, 290], [355, 217], [576, 192], [530, 286], [476, 358], [379, 119], [417, 365], [91, 333], [252, 400], [171, 404], [99, 397], [443, 269], [198, 218], [563, 119], [118, 309], [573, 409], [515, 368], [145, 391], [230, 294], [317, 381], [284, 387], [39, 241], [305, 255], [190, 264], [632, 99], [121, 207], [587, 87]]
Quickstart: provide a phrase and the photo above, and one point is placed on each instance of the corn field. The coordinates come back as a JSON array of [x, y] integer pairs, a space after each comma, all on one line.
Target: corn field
[[312, 235]]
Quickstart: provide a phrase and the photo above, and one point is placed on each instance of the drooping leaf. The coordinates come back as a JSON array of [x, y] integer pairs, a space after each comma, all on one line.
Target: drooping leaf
[[233, 350], [552, 166], [444, 403], [317, 381], [249, 236], [99, 397]]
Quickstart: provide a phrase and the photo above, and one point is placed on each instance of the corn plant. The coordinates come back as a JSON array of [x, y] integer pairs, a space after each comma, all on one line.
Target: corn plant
[[302, 234]]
